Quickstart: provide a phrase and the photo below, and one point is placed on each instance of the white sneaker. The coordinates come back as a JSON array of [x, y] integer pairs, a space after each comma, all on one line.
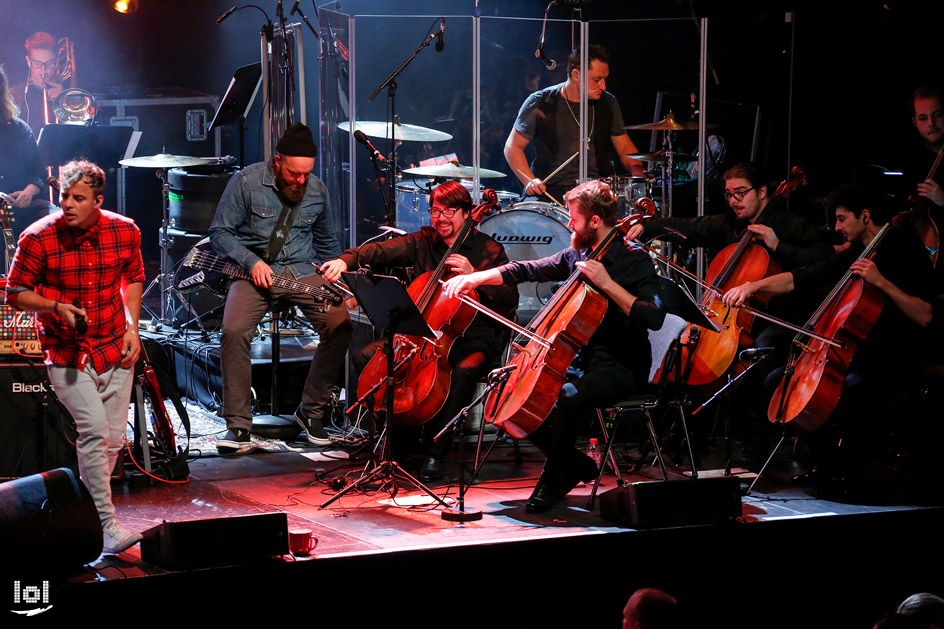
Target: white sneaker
[[118, 538]]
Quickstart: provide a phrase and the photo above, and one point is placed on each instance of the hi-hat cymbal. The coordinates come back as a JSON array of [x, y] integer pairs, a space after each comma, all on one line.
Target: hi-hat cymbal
[[406, 132], [661, 157], [452, 170], [669, 123], [162, 160]]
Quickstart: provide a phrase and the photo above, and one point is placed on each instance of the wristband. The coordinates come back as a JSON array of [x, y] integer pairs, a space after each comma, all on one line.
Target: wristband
[[55, 308]]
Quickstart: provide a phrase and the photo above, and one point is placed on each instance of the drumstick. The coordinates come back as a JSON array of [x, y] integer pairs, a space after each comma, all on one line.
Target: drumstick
[[558, 169], [546, 193]]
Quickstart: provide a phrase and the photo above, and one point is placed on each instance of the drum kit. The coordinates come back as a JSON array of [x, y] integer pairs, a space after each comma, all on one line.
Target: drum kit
[[162, 163], [527, 229]]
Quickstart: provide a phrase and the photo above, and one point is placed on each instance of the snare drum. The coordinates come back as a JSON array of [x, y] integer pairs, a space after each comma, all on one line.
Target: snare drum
[[528, 231]]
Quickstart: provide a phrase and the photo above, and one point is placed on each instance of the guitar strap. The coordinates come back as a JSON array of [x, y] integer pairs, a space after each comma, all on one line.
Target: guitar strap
[[282, 226]]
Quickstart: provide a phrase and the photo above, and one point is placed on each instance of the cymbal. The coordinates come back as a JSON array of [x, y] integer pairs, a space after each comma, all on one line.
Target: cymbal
[[452, 170], [669, 123], [661, 157], [162, 160], [407, 132]]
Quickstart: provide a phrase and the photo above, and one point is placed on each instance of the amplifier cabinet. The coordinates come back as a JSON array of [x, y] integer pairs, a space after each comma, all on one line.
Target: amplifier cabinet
[[36, 434]]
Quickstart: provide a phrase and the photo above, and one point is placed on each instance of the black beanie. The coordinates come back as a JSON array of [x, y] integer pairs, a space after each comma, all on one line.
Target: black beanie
[[297, 140]]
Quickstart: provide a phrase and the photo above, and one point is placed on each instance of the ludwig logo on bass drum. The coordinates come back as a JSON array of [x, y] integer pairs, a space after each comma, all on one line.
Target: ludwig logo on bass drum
[[522, 238]]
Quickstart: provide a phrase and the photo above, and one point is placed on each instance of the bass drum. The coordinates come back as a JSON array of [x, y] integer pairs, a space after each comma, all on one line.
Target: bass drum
[[528, 231]]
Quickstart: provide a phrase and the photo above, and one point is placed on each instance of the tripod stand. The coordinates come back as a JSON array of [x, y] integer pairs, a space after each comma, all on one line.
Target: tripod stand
[[389, 307]]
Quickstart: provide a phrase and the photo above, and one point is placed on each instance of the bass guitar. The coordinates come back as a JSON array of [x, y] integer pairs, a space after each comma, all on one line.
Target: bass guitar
[[203, 268]]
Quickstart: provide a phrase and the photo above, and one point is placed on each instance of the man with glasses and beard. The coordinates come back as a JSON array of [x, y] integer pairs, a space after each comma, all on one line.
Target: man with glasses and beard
[[273, 219], [472, 354]]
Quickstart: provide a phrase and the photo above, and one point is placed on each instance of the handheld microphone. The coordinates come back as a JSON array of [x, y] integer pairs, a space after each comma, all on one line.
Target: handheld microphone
[[81, 325], [374, 153], [226, 15], [439, 38]]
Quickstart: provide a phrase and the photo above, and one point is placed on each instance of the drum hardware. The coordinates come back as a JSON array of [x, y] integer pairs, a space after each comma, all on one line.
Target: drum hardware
[[162, 162]]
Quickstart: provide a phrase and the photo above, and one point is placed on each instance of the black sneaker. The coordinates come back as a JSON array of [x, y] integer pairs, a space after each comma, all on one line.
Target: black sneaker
[[314, 431], [234, 440]]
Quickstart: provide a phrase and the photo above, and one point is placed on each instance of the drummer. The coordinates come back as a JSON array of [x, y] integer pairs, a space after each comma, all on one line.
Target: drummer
[[549, 118]]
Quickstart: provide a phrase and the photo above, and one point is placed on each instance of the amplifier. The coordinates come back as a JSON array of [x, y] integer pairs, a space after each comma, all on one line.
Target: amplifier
[[17, 329], [36, 434]]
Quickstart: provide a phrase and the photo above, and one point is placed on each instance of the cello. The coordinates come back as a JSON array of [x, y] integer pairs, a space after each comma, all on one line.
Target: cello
[[421, 366], [710, 354], [814, 380], [562, 327], [921, 216]]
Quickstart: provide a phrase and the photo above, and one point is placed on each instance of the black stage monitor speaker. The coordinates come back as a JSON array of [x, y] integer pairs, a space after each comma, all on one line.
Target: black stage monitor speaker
[[216, 542], [673, 503], [48, 519]]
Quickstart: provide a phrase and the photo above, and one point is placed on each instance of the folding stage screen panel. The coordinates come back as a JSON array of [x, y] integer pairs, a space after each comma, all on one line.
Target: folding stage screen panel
[[473, 89]]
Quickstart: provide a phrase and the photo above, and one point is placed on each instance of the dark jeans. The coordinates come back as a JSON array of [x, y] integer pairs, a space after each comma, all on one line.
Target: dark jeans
[[599, 387], [246, 305]]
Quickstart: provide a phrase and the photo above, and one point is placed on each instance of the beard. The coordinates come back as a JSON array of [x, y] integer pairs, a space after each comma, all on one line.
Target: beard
[[583, 239], [288, 193]]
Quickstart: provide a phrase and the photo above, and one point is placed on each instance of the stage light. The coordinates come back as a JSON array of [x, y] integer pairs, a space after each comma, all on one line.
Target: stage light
[[125, 6]]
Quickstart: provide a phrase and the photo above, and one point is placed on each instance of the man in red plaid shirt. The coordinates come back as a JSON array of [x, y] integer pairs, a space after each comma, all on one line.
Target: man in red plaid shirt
[[81, 270]]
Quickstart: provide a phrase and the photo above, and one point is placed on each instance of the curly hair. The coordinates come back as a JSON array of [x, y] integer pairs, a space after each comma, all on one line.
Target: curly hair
[[83, 170]]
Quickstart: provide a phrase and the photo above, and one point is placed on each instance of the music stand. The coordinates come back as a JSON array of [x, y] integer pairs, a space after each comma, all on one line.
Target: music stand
[[238, 99], [389, 308], [60, 143], [680, 303]]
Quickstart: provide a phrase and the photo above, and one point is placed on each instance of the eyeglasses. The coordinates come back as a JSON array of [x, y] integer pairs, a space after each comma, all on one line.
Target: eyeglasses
[[49, 65], [447, 212], [737, 195]]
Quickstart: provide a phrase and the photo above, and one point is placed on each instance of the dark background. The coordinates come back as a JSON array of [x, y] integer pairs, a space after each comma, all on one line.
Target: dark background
[[843, 69]]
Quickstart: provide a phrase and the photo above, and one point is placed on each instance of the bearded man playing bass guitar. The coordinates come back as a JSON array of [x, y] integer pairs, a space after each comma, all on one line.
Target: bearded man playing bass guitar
[[273, 219], [887, 359], [615, 362], [471, 355]]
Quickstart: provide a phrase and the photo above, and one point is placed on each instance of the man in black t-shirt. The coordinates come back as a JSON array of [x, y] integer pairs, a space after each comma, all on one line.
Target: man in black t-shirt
[[549, 120]]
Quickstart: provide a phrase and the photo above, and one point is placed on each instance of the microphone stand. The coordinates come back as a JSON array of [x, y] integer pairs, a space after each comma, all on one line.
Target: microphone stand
[[496, 378], [390, 84], [758, 359]]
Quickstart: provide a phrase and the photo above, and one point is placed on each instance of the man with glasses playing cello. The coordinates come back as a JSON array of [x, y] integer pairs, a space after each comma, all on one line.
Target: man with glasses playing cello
[[474, 352]]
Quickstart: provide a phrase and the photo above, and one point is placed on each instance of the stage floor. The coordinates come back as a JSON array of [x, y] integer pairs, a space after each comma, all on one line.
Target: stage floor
[[400, 552]]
